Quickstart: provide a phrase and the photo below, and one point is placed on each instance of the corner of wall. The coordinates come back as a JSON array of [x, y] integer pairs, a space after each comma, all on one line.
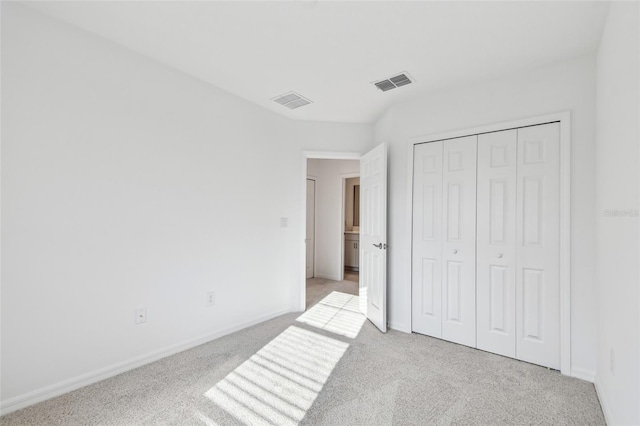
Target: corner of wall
[[604, 402]]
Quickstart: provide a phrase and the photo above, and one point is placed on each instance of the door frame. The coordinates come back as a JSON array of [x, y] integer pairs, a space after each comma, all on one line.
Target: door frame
[[302, 271], [564, 117]]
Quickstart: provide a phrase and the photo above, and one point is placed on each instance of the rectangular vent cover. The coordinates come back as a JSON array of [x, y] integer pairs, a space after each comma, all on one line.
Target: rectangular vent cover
[[394, 82], [291, 100]]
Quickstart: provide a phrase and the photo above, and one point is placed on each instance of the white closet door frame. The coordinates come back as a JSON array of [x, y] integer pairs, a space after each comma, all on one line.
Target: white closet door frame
[[565, 213]]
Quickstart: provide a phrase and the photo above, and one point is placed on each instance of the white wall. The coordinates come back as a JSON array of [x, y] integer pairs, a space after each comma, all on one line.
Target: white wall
[[124, 184], [617, 232], [565, 86], [329, 213]]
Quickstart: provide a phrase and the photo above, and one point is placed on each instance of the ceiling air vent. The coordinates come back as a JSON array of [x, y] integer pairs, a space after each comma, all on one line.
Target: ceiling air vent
[[291, 100], [394, 82]]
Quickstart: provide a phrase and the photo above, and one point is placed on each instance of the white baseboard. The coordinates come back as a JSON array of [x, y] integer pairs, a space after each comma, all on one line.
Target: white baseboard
[[604, 403], [48, 392], [400, 327], [328, 277], [583, 374]]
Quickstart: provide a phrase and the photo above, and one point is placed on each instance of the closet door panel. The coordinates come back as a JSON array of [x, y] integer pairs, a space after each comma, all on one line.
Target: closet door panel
[[496, 245], [459, 240], [427, 240], [538, 243]]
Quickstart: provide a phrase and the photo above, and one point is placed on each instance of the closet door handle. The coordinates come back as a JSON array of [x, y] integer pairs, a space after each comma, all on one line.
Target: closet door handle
[[499, 255], [455, 251]]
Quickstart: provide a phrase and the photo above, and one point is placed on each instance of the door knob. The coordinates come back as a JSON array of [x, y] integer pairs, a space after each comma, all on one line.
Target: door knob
[[378, 245], [499, 255], [455, 251]]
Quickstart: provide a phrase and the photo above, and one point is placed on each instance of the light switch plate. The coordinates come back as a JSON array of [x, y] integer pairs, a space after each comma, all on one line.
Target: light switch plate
[[211, 298]]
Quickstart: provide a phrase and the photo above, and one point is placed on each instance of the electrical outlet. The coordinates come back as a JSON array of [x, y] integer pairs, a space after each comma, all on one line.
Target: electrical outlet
[[284, 222], [141, 315], [612, 360], [211, 298]]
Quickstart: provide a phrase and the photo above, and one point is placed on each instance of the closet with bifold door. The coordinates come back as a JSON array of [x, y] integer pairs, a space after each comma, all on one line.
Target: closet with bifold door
[[486, 226]]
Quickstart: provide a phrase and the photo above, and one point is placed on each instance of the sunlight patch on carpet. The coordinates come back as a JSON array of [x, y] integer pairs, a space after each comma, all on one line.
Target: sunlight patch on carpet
[[204, 419], [338, 313], [281, 381]]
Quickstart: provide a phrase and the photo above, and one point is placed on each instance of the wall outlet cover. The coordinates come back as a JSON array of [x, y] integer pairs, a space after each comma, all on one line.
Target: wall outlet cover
[[141, 315]]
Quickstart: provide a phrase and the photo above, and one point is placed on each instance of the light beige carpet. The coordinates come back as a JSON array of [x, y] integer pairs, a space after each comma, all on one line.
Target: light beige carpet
[[286, 371], [351, 275], [318, 288]]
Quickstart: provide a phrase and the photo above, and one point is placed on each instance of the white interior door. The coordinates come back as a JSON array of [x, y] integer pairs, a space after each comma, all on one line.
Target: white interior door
[[538, 245], [459, 240], [311, 226], [426, 283], [373, 234], [496, 245]]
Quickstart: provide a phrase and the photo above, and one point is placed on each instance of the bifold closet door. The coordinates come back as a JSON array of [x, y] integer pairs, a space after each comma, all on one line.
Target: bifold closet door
[[486, 243], [459, 240], [496, 245], [538, 245], [426, 299], [444, 240]]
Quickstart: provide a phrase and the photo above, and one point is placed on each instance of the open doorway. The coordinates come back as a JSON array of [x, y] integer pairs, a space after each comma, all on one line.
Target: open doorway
[[351, 205], [331, 253], [372, 286]]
